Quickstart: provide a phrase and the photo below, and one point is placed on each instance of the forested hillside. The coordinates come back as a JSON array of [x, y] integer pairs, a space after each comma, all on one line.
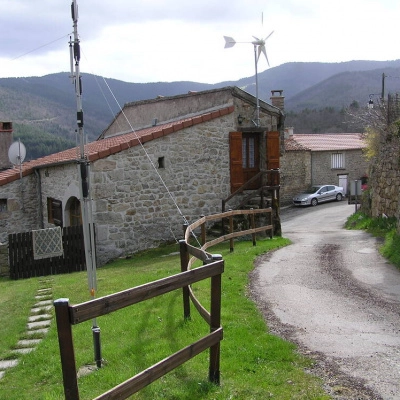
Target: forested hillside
[[317, 95]]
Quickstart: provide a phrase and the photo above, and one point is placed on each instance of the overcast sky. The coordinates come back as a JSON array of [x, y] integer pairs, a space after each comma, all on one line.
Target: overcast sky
[[176, 40]]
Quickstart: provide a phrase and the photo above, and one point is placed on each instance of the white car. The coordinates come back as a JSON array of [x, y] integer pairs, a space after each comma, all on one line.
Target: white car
[[318, 194]]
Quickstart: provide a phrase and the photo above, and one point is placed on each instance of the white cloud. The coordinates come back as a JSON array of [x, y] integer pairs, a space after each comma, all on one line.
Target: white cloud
[[155, 40]]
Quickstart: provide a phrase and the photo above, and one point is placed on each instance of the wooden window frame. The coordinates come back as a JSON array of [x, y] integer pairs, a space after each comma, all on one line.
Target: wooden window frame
[[54, 211]]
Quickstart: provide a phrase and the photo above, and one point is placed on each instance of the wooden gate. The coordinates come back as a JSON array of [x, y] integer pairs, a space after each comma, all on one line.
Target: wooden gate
[[23, 265]]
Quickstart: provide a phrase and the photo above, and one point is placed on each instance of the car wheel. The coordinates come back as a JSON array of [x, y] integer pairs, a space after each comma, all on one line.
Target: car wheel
[[314, 202], [339, 197]]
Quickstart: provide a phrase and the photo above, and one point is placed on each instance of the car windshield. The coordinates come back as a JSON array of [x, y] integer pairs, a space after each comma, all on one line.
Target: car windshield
[[312, 189]]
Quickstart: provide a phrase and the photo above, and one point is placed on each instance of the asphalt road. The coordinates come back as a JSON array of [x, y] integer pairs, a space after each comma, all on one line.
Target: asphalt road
[[332, 294]]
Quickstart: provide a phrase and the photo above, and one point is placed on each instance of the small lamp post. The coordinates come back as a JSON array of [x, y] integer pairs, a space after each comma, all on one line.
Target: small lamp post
[[371, 102]]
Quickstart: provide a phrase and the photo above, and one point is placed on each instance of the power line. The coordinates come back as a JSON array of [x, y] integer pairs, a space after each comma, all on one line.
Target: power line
[[40, 47]]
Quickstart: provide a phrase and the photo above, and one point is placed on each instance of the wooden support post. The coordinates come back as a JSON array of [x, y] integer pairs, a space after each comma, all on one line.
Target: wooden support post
[[184, 227], [223, 219], [253, 225], [203, 232], [185, 289], [66, 349], [215, 323]]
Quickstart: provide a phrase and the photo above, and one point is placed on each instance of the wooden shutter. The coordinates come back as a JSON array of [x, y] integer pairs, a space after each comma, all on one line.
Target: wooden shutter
[[273, 155], [273, 150], [236, 166]]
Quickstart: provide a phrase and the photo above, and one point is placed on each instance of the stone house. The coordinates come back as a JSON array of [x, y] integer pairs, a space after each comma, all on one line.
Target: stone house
[[160, 163], [312, 159]]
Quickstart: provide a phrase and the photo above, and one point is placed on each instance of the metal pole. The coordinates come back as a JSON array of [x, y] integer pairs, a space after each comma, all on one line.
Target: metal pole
[[84, 179], [257, 99]]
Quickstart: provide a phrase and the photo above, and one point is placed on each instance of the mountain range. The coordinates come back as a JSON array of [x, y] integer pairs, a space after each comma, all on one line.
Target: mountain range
[[43, 109]]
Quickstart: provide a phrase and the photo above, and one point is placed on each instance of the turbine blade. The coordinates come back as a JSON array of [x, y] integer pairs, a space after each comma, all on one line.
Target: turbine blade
[[261, 49], [268, 36], [229, 42]]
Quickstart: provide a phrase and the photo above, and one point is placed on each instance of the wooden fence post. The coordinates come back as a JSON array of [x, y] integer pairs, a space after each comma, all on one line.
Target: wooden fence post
[[185, 290], [253, 226], [66, 349], [215, 323]]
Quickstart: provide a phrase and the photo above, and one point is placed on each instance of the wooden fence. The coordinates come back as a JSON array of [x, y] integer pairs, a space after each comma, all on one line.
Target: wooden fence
[[68, 315], [23, 264]]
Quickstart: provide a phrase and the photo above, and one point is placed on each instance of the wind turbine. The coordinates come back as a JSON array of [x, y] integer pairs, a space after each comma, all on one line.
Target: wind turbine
[[259, 47]]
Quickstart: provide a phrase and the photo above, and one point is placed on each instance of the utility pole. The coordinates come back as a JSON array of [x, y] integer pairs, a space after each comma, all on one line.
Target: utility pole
[[383, 87], [84, 179]]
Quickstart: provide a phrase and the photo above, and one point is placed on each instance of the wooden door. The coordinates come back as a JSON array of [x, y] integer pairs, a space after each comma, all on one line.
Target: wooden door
[[251, 158], [244, 159]]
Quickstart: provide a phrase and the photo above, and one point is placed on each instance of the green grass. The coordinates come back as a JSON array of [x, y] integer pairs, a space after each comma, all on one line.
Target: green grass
[[16, 299], [254, 363], [385, 228]]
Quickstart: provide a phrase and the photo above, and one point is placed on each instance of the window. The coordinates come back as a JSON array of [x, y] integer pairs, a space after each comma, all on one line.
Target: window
[[54, 211], [3, 205], [249, 156], [161, 162], [337, 161]]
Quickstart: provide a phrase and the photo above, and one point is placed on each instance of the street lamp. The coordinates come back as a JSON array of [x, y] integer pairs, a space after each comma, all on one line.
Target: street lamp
[[382, 94], [371, 102]]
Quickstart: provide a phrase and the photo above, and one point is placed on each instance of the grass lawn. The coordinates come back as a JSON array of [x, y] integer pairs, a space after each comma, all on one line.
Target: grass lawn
[[254, 363]]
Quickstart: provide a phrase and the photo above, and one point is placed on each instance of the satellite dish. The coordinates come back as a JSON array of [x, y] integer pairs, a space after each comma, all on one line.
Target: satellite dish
[[17, 153]]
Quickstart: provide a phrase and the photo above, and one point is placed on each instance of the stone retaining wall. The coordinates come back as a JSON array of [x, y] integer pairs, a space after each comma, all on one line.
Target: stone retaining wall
[[384, 180]]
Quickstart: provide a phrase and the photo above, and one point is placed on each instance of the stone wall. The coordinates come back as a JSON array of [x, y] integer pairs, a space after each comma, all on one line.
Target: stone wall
[[22, 210], [59, 183], [4, 265], [295, 174], [384, 180], [138, 206], [355, 167]]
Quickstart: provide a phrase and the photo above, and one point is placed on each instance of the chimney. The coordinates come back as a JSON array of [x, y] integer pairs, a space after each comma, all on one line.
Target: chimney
[[6, 138], [289, 132], [277, 99]]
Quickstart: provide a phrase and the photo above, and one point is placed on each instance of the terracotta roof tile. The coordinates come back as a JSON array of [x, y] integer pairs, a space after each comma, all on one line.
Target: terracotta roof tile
[[329, 142], [102, 148]]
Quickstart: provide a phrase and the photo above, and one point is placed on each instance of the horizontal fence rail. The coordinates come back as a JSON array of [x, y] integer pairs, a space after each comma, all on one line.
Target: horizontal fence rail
[[187, 250]]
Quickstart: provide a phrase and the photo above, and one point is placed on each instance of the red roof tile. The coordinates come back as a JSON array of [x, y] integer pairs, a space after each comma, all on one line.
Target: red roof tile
[[103, 148]]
